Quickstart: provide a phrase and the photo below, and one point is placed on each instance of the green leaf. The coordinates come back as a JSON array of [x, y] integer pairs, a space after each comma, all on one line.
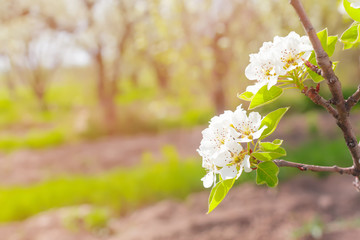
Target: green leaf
[[322, 35], [351, 36], [267, 173], [271, 121], [270, 155], [265, 96], [270, 146], [277, 142], [327, 42], [247, 96], [354, 13], [219, 192], [331, 42]]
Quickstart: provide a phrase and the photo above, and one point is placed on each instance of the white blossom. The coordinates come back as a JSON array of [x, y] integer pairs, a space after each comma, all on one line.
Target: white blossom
[[246, 128], [354, 3], [210, 178], [292, 49], [214, 136], [233, 159], [276, 59], [221, 149], [264, 67], [226, 159]]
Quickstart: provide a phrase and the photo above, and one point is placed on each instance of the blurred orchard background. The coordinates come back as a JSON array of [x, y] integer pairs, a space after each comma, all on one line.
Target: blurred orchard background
[[102, 103]]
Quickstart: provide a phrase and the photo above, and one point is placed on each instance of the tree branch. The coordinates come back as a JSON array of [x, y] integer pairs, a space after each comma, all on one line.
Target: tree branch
[[333, 82], [319, 100], [314, 168], [353, 99]]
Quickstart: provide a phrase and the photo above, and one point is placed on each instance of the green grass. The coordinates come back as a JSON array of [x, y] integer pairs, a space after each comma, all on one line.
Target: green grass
[[24, 125], [124, 190], [121, 190], [34, 139]]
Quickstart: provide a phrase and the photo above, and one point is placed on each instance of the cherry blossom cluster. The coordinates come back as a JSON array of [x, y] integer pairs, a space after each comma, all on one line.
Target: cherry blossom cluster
[[277, 59], [221, 148]]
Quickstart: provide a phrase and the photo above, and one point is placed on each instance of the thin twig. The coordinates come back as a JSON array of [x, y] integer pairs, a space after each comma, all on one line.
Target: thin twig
[[314, 168], [319, 100], [333, 82], [353, 99]]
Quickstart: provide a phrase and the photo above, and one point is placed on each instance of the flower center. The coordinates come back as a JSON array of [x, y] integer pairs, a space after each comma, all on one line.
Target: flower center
[[240, 157]]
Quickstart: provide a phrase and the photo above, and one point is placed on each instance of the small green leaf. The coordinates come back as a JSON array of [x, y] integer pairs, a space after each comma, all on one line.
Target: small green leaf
[[270, 155], [277, 142], [265, 96], [219, 192], [351, 36], [247, 96], [267, 173], [327, 42], [331, 42], [323, 35], [269, 146], [354, 13], [271, 121]]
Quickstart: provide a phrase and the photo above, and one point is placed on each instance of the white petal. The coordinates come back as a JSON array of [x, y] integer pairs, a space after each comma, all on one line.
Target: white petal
[[258, 133], [255, 88], [228, 172], [355, 3], [239, 173], [250, 71], [255, 119], [233, 133], [244, 140], [246, 164], [233, 146], [272, 82], [208, 180], [222, 158]]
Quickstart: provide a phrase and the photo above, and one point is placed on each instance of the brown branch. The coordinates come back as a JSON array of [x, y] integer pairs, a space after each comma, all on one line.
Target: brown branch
[[317, 99], [353, 99], [313, 67], [315, 168], [333, 82]]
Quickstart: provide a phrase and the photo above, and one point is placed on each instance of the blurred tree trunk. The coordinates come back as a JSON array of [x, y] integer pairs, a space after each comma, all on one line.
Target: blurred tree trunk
[[162, 74], [135, 78], [10, 85], [106, 94], [38, 86], [220, 70]]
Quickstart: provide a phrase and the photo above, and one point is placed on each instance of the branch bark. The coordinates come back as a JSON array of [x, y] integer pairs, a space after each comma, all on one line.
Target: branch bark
[[353, 99], [334, 84], [314, 168], [319, 100]]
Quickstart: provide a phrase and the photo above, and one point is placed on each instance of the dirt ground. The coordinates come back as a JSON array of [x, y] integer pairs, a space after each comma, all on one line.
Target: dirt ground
[[29, 166], [304, 208]]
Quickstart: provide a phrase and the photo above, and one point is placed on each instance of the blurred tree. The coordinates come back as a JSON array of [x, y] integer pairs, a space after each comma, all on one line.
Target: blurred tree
[[217, 26], [108, 28], [36, 53]]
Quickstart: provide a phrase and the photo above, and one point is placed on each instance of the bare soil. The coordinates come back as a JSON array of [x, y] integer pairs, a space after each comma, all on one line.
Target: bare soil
[[303, 208], [29, 166], [248, 212]]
